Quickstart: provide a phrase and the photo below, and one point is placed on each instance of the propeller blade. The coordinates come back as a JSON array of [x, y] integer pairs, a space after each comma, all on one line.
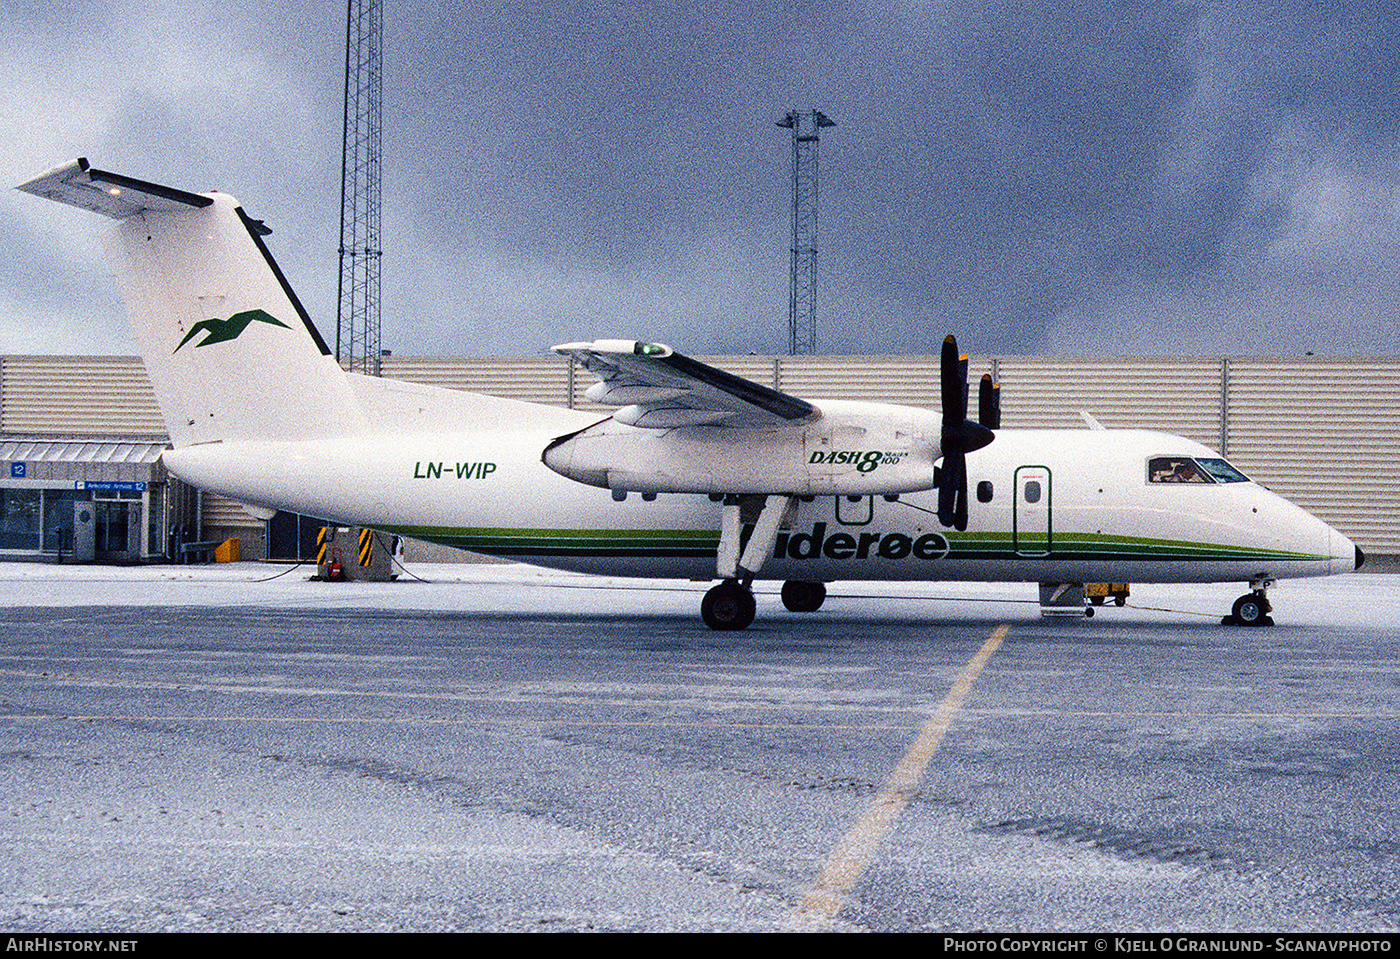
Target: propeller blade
[[989, 403], [960, 510], [948, 489], [952, 491], [952, 386], [962, 378]]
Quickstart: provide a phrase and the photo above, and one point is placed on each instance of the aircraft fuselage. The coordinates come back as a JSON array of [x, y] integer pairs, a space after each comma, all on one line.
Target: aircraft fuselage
[[1052, 506]]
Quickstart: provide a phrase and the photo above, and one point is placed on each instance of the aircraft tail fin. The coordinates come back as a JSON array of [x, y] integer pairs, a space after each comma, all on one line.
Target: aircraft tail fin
[[231, 352]]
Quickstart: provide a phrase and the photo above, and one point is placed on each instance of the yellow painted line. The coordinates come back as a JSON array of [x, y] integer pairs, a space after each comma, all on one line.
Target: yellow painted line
[[853, 855]]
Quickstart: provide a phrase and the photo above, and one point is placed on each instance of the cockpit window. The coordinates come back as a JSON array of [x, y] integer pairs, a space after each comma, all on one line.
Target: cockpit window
[[1222, 471], [1176, 469], [1185, 469]]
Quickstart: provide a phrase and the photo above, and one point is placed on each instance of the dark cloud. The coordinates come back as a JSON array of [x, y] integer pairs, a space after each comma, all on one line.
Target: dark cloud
[[982, 171], [1013, 170], [1332, 61]]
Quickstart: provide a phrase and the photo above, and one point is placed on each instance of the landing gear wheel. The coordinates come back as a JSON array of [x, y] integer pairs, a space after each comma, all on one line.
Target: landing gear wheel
[[801, 597], [728, 606], [1251, 609]]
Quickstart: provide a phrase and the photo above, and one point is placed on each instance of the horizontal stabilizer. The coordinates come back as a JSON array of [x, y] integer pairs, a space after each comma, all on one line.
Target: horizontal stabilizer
[[78, 184]]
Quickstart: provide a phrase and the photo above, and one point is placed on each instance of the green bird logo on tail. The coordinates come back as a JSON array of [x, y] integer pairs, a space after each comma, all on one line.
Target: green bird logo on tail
[[230, 329]]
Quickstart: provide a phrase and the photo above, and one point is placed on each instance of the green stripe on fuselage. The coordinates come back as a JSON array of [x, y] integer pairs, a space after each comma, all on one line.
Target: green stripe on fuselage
[[568, 542], [501, 541], [1099, 546]]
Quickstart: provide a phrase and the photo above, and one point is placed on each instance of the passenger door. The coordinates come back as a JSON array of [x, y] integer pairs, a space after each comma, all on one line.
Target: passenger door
[[1032, 512]]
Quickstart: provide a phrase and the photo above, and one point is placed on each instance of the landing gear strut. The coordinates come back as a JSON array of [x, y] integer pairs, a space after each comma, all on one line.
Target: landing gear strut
[[1252, 609], [728, 606]]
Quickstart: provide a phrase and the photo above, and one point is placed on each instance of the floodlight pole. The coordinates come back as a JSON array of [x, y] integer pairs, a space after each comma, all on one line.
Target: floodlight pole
[[802, 297], [357, 329]]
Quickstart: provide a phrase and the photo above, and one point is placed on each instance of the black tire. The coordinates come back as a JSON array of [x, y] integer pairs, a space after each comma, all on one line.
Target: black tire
[[1251, 609], [800, 597], [728, 606]]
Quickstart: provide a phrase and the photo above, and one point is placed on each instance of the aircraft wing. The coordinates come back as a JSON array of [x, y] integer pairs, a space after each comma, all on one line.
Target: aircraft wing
[[658, 388], [78, 184]]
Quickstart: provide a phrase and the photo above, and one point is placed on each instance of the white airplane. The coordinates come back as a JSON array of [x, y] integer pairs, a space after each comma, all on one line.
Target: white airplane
[[698, 474]]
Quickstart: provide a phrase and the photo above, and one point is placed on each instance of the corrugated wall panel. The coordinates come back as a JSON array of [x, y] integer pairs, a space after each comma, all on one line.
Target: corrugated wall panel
[[1176, 396], [1325, 434], [907, 380], [756, 368], [77, 396], [543, 379], [227, 514]]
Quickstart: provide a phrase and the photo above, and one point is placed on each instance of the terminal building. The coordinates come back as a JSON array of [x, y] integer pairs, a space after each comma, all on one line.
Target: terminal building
[[88, 499], [81, 436]]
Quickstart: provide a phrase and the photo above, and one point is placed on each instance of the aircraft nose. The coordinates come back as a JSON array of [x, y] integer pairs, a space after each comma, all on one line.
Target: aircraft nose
[[1346, 555]]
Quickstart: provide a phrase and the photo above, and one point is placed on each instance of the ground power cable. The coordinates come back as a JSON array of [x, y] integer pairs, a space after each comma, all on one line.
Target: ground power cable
[[289, 569], [394, 560]]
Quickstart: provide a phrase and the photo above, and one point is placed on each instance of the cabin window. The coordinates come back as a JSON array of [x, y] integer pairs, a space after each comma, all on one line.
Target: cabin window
[[984, 491], [1032, 491]]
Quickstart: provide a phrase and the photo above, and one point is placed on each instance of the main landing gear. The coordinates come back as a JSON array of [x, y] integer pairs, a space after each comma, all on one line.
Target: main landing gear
[[1253, 608], [730, 605]]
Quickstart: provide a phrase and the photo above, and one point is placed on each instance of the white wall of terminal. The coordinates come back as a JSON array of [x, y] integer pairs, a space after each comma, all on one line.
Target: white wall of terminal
[[1324, 432]]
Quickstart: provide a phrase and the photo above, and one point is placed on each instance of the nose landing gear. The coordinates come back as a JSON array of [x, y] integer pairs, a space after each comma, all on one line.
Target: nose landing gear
[[1253, 608]]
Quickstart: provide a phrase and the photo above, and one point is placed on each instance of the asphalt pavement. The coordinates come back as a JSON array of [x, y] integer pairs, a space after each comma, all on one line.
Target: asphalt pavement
[[187, 750]]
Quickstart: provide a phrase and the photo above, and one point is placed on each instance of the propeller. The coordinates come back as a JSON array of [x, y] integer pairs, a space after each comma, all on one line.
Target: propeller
[[960, 435]]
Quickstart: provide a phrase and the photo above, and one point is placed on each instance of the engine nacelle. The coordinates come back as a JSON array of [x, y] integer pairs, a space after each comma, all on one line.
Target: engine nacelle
[[853, 449]]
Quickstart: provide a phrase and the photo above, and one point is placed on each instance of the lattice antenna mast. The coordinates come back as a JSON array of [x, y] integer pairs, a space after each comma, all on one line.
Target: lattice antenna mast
[[802, 299], [357, 340]]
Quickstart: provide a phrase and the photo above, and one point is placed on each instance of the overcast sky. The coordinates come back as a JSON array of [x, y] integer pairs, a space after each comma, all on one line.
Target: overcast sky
[[1041, 176]]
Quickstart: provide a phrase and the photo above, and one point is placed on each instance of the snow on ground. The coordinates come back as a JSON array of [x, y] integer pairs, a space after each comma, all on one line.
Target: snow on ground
[[1355, 599]]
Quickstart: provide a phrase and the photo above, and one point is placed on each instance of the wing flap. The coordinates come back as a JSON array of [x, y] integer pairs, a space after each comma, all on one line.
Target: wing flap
[[659, 388]]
